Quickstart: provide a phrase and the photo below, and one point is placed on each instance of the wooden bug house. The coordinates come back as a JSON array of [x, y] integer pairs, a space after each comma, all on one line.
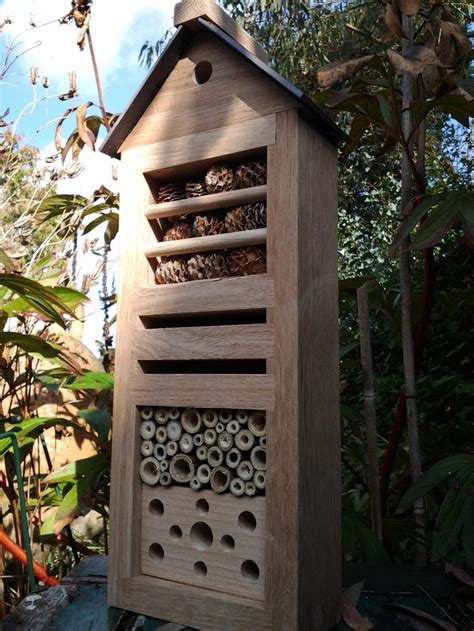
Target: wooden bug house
[[225, 508]]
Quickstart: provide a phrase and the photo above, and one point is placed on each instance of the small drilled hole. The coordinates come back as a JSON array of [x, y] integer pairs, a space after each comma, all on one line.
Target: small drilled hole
[[156, 507], [250, 571], [201, 536], [156, 552], [202, 506], [247, 521], [176, 533], [227, 542], [200, 568]]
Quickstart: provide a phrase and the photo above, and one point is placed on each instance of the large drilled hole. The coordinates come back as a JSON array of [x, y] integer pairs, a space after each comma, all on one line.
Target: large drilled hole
[[202, 72], [176, 533], [156, 507], [250, 571], [156, 552], [200, 568], [247, 521], [201, 536], [227, 542], [202, 506]]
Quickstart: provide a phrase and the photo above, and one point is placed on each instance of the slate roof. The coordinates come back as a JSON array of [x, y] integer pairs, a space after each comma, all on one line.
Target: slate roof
[[167, 61]]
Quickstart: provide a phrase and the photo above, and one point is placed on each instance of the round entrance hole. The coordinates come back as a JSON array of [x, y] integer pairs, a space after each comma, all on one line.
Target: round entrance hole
[[201, 536], [250, 571], [247, 521], [156, 508], [156, 552], [176, 533], [202, 72], [228, 543], [200, 568], [202, 506]]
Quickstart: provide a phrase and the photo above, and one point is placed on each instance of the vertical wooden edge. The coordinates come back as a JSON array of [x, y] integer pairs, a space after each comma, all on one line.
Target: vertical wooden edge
[[319, 516]]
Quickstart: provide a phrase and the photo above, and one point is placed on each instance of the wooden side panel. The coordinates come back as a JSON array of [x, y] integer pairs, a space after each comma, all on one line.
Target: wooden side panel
[[236, 92], [125, 496], [319, 527]]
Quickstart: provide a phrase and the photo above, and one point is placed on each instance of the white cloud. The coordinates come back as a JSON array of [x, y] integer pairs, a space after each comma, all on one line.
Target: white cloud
[[118, 30]]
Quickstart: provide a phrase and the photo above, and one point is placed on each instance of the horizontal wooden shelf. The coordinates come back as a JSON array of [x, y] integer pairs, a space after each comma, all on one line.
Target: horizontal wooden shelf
[[205, 244], [213, 201]]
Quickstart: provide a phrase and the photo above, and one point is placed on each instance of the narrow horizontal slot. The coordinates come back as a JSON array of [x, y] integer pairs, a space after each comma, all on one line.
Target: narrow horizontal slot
[[210, 367], [223, 318]]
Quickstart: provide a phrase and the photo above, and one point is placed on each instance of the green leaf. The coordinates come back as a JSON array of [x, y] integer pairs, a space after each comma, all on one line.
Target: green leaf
[[29, 343], [414, 217], [26, 427], [439, 222], [92, 381], [466, 208], [434, 476], [87, 467], [99, 420], [99, 220], [75, 501]]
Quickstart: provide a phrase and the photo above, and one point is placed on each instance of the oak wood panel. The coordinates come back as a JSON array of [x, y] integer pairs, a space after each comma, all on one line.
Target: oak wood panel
[[179, 556], [205, 244], [204, 296], [213, 201], [214, 143], [203, 391], [188, 10], [236, 92], [192, 605], [249, 341]]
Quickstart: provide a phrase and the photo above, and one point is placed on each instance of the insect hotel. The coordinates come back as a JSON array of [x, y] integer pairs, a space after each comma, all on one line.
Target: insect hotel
[[225, 479]]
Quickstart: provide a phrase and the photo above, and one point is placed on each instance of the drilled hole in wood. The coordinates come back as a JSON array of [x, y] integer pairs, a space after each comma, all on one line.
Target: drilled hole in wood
[[200, 568], [247, 521], [202, 72], [176, 533], [156, 552], [227, 542], [250, 571], [201, 536], [156, 508], [202, 506]]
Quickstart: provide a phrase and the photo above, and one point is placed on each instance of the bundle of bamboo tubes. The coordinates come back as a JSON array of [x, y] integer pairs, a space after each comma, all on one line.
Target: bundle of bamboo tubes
[[221, 449]]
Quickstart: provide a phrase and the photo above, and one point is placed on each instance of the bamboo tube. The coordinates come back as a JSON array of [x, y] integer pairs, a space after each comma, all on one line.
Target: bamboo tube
[[244, 440], [165, 479], [161, 416], [245, 470], [171, 448], [186, 443], [146, 448], [150, 471], [233, 427], [174, 414], [237, 487], [241, 416], [201, 453], [220, 479], [182, 468], [161, 434], [225, 416], [250, 489], [233, 458], [174, 430], [203, 473], [262, 441], [146, 414], [215, 457], [147, 430], [164, 465], [258, 424], [210, 418], [210, 437], [198, 440], [225, 441], [260, 479], [195, 483], [191, 421], [258, 457], [220, 427], [159, 452]]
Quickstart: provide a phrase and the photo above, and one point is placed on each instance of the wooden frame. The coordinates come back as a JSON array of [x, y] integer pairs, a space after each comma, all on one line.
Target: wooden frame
[[300, 544]]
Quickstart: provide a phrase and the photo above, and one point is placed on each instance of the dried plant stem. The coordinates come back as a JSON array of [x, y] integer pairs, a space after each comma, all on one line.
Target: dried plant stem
[[97, 80], [369, 408], [405, 299]]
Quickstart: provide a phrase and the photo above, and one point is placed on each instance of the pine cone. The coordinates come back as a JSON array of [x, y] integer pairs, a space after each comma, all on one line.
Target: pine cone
[[251, 174], [248, 217], [181, 229], [210, 265], [170, 193], [207, 224], [247, 261], [220, 177], [196, 189], [171, 270]]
